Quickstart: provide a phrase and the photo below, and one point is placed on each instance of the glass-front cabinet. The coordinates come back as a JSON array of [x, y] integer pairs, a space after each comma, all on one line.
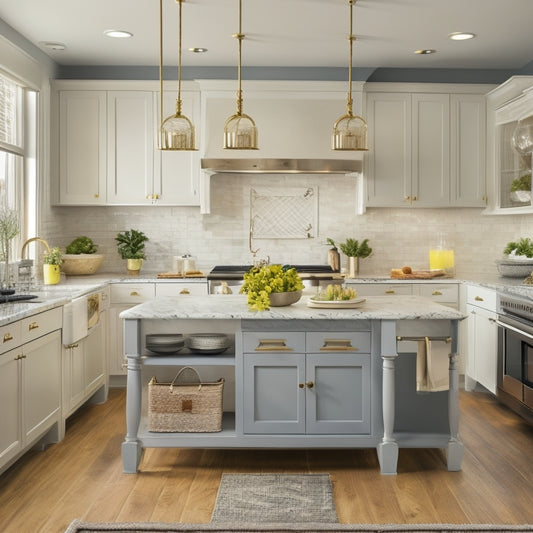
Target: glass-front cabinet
[[511, 140]]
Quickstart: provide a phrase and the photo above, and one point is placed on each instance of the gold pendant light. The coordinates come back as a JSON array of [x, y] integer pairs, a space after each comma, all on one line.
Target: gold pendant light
[[240, 131], [176, 132], [349, 132]]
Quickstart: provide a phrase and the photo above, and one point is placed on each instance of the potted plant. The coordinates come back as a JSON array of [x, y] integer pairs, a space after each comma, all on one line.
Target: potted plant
[[52, 260], [355, 250], [81, 258], [9, 229], [131, 247], [521, 189], [272, 285], [518, 259]]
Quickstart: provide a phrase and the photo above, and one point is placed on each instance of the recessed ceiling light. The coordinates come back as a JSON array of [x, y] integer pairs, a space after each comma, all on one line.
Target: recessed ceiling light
[[425, 51], [461, 36], [53, 45], [198, 50], [118, 34]]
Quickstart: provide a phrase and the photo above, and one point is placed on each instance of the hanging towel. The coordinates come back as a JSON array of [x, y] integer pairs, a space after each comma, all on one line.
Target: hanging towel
[[432, 366]]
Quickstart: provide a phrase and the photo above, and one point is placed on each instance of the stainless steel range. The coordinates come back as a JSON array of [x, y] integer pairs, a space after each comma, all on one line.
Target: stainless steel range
[[515, 354], [225, 278]]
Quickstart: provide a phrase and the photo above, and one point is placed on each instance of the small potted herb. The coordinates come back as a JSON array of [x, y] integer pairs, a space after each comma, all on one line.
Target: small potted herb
[[355, 250], [130, 245], [521, 189], [52, 260], [81, 258]]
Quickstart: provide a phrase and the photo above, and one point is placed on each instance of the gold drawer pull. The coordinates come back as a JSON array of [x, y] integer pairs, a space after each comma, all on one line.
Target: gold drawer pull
[[478, 299], [185, 291], [436, 293], [134, 293], [8, 337], [338, 345], [73, 345], [390, 291], [273, 345], [33, 325]]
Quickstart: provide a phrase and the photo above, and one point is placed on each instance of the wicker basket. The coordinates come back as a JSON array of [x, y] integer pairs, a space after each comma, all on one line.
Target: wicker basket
[[192, 407]]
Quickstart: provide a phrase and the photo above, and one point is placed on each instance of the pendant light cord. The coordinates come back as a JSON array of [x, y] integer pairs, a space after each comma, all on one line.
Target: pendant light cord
[[239, 36], [160, 69], [178, 101], [351, 38]]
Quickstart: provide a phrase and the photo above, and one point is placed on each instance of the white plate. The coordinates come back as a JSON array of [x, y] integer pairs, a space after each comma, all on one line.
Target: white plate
[[336, 304]]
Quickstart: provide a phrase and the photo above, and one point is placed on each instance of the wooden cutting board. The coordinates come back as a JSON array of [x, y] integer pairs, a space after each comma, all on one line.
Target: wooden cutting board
[[396, 273]]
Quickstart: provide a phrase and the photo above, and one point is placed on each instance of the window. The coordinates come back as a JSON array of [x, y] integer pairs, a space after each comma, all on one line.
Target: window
[[18, 121]]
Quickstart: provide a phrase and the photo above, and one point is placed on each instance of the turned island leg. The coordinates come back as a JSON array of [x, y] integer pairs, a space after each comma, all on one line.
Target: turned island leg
[[388, 447]]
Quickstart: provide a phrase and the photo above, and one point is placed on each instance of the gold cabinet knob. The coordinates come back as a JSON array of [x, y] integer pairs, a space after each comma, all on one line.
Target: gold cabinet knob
[[134, 293], [415, 198], [478, 299], [309, 384], [185, 291], [96, 195], [436, 293], [301, 385], [407, 198]]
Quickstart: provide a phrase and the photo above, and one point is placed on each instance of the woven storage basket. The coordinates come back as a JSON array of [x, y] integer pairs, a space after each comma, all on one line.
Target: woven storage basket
[[192, 407]]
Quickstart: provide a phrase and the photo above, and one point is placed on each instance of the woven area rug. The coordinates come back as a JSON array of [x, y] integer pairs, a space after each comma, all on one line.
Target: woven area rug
[[274, 498], [82, 527]]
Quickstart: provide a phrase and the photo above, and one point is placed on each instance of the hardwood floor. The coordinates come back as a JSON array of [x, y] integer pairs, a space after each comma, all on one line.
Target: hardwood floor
[[81, 477]]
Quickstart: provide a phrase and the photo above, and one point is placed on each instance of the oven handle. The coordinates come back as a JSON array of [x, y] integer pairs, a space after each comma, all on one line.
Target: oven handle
[[512, 328]]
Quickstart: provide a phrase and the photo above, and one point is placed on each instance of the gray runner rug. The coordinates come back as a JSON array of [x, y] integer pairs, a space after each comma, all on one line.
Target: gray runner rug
[[274, 498], [144, 527]]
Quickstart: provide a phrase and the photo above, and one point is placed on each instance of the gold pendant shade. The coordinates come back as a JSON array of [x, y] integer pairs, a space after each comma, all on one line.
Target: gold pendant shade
[[240, 131], [350, 131], [176, 132]]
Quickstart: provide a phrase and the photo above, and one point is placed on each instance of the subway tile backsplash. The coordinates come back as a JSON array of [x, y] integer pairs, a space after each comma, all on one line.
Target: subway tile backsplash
[[398, 236]]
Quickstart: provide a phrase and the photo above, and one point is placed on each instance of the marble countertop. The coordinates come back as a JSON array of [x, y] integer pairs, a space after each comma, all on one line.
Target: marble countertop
[[235, 307]]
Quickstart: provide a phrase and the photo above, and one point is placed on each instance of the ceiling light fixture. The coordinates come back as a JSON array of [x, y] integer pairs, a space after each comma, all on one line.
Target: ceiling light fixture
[[176, 132], [118, 34], [53, 45], [425, 51], [240, 131], [198, 50], [349, 132], [461, 35]]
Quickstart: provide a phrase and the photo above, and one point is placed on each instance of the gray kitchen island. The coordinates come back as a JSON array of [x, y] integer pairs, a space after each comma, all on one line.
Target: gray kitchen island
[[302, 377]]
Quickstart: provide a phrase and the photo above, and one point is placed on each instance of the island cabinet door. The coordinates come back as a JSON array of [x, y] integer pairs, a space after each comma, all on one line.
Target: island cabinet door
[[338, 394], [274, 393]]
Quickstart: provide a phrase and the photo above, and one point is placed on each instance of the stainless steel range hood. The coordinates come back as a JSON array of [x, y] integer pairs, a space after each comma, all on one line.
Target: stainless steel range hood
[[282, 166]]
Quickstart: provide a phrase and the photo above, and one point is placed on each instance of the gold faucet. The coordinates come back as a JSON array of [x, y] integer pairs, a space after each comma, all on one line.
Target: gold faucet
[[31, 240]]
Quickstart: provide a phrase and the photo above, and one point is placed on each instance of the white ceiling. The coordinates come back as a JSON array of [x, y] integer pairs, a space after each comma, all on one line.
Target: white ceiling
[[310, 33]]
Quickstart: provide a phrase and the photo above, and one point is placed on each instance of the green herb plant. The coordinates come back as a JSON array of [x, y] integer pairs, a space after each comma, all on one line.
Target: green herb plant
[[259, 282], [523, 247], [131, 244], [54, 257], [82, 245], [352, 248], [523, 183]]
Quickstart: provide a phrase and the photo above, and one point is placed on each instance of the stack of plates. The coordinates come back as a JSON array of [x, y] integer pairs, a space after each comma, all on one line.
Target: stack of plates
[[165, 343], [207, 343]]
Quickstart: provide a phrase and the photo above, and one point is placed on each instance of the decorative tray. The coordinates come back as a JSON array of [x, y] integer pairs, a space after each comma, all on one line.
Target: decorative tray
[[336, 304]]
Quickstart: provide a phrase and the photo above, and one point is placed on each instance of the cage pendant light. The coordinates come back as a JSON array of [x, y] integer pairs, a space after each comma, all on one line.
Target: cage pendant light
[[176, 132], [349, 132], [240, 131]]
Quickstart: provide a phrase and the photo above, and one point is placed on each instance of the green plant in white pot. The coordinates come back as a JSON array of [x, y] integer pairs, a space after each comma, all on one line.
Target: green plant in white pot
[[521, 189], [51, 263], [131, 247]]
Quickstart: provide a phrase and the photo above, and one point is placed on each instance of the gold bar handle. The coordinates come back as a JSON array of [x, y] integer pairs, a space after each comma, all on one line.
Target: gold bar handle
[[8, 337], [273, 345], [390, 291], [33, 325], [134, 293], [478, 299], [185, 291], [338, 345]]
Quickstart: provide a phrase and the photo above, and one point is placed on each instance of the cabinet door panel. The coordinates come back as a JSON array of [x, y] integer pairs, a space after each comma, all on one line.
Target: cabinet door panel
[[10, 398], [42, 383], [339, 400], [431, 150], [94, 346], [389, 143], [273, 399]]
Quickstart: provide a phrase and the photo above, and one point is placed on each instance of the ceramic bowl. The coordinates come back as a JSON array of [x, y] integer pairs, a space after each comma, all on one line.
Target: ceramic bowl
[[282, 299], [514, 269], [81, 264]]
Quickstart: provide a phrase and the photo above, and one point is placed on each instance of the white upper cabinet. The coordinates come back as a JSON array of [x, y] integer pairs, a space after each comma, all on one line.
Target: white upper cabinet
[[426, 149], [82, 141]]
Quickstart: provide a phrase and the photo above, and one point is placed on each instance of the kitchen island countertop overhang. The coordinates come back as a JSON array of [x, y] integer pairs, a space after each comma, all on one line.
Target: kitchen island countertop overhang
[[381, 321]]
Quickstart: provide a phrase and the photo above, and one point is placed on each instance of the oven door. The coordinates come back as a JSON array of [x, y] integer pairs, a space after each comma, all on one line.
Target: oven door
[[515, 358]]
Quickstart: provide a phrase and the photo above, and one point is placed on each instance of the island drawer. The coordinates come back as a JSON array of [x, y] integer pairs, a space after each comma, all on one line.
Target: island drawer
[[132, 293], [381, 289], [40, 324], [327, 342], [273, 341], [10, 336], [444, 292], [180, 288]]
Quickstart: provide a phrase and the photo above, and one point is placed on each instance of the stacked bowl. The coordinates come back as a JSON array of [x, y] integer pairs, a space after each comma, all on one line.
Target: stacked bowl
[[165, 343], [207, 343]]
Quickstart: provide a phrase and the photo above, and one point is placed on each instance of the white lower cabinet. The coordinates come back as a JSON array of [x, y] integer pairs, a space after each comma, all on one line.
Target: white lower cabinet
[[84, 369], [482, 344], [327, 392], [30, 386]]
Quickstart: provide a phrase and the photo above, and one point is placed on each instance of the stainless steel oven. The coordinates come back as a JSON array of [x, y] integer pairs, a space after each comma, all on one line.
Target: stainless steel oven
[[515, 354]]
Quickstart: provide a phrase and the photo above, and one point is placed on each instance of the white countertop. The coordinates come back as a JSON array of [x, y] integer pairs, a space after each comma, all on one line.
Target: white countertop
[[235, 307]]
